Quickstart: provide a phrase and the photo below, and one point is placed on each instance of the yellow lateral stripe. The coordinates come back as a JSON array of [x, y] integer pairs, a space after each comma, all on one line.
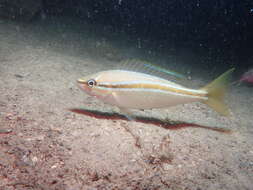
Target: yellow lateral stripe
[[154, 86]]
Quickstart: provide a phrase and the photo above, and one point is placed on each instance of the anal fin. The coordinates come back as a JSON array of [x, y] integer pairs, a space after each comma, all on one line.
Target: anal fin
[[127, 113]]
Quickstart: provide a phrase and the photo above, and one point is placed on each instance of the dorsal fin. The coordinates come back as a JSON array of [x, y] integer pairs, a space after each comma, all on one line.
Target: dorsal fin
[[146, 67]]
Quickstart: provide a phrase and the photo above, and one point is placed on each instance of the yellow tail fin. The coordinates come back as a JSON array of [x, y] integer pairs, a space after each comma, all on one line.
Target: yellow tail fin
[[216, 91]]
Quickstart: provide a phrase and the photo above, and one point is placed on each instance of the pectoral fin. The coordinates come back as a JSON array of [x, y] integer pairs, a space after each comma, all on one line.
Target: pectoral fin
[[125, 111]]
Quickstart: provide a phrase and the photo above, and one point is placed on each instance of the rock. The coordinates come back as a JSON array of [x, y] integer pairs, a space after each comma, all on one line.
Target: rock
[[5, 131], [20, 9]]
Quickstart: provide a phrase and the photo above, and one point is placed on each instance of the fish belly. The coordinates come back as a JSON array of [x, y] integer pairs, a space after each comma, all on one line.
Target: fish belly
[[148, 99]]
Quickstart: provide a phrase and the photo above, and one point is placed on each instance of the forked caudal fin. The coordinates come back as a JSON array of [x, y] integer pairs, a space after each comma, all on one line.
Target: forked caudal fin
[[216, 90]]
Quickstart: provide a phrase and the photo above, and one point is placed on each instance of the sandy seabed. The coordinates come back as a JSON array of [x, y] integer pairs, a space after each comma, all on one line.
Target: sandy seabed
[[43, 145]]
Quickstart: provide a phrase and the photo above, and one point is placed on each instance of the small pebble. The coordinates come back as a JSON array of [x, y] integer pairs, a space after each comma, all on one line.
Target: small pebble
[[19, 76], [5, 131], [35, 159], [167, 166]]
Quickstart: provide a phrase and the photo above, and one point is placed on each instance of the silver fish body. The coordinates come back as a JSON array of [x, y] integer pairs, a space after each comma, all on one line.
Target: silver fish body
[[134, 90]]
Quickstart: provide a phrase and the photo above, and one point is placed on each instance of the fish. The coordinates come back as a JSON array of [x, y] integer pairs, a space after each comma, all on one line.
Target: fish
[[247, 77], [129, 90]]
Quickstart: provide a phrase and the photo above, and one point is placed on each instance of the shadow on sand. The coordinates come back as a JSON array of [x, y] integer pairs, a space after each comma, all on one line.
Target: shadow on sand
[[166, 124]]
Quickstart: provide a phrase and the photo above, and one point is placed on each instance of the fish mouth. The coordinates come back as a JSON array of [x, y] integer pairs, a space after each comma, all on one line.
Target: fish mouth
[[81, 81], [82, 84]]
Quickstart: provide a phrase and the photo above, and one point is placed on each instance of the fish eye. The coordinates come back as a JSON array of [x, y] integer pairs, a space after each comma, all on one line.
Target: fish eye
[[91, 82]]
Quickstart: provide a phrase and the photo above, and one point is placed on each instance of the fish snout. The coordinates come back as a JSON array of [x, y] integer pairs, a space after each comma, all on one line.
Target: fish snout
[[81, 81], [83, 84]]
